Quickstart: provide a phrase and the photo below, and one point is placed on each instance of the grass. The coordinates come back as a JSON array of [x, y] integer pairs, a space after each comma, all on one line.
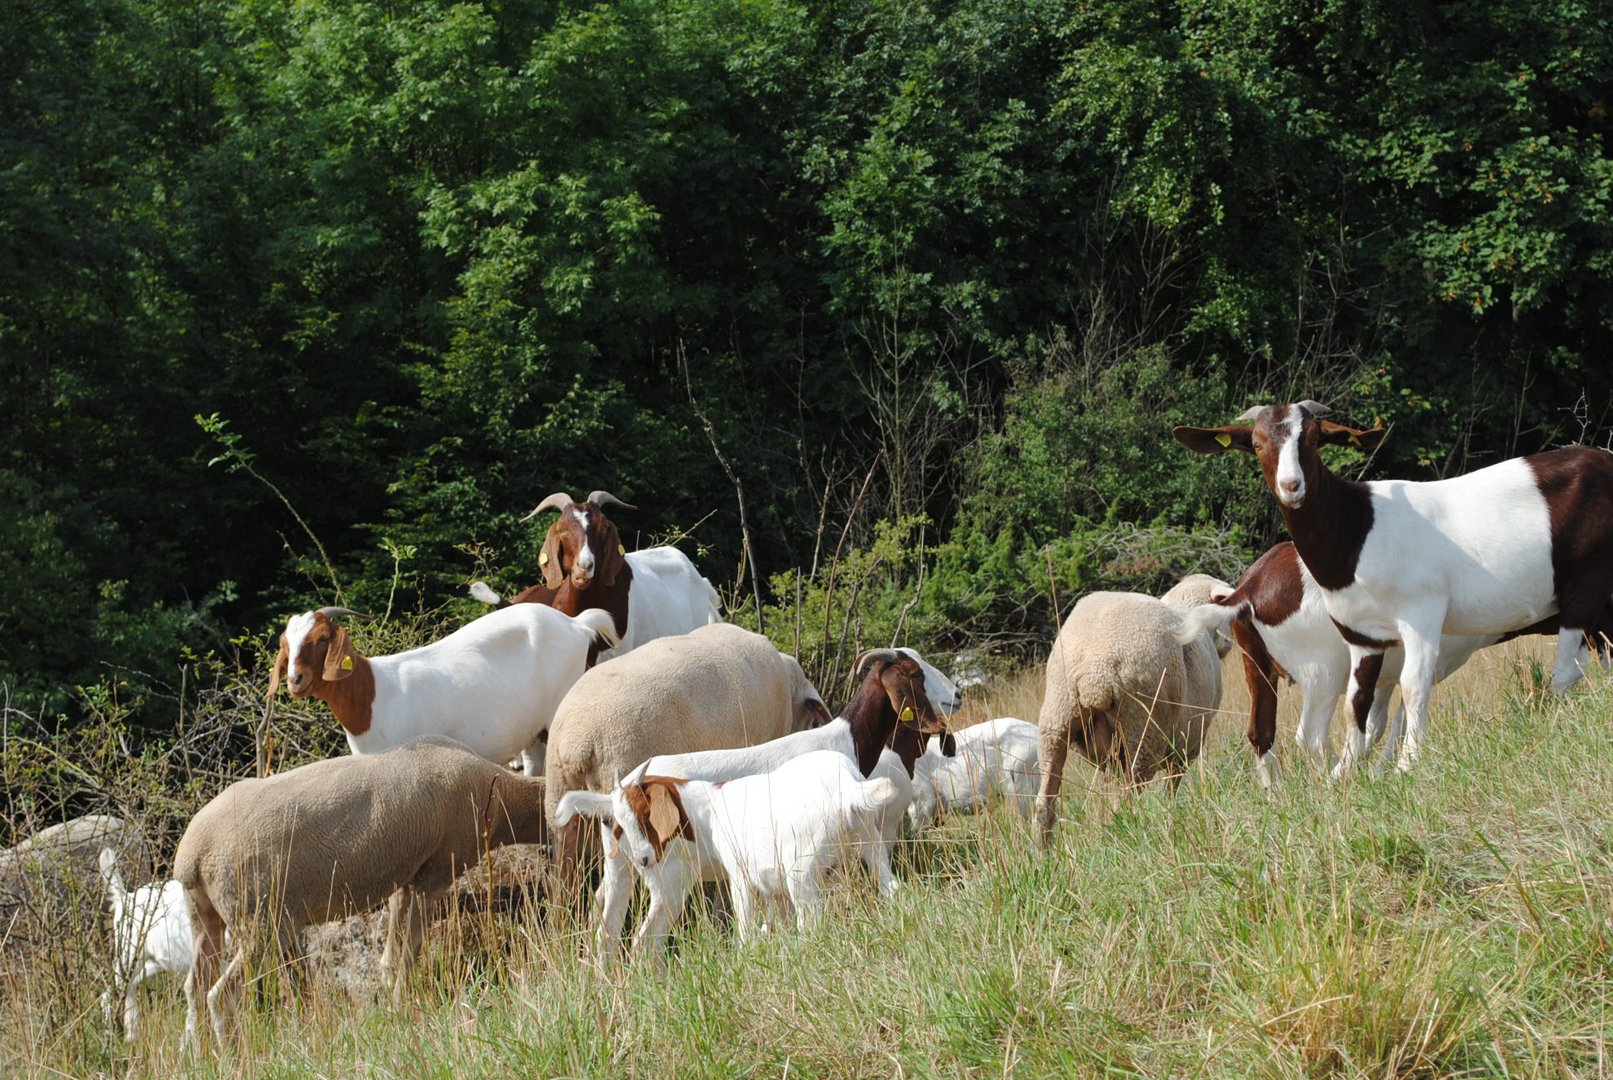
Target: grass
[[1457, 922]]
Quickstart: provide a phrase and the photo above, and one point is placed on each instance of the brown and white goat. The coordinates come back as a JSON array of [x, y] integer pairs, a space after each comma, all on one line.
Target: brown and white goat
[[1402, 562], [652, 593]]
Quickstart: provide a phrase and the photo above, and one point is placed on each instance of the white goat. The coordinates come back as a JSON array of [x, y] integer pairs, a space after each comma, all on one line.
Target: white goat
[[150, 935], [1402, 563], [998, 757], [493, 684], [772, 836]]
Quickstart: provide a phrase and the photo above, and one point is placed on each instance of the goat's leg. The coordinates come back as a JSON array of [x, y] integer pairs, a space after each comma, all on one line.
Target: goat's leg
[[806, 896], [1421, 641], [613, 896], [1321, 696], [1572, 654], [669, 885], [207, 941], [1366, 663]]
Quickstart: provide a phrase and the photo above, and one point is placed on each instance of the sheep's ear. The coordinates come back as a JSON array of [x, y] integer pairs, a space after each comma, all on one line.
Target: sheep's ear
[[339, 657], [549, 559], [666, 818], [609, 561], [1214, 440], [281, 661], [1338, 435]]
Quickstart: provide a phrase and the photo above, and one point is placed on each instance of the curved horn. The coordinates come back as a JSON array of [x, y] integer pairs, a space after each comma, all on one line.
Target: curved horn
[[600, 498], [333, 612], [1250, 414], [558, 501], [1315, 408], [868, 656]]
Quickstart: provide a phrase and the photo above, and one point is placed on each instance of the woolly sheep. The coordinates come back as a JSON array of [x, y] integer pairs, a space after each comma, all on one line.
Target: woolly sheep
[[336, 838], [1133, 699], [715, 687]]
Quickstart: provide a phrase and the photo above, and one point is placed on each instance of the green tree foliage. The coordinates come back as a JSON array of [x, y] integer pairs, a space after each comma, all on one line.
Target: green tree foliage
[[957, 263]]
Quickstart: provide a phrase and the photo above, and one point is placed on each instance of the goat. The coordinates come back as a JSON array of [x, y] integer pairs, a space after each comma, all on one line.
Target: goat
[[899, 691], [1403, 562], [652, 593], [493, 684], [997, 757], [150, 935], [772, 835], [1280, 622]]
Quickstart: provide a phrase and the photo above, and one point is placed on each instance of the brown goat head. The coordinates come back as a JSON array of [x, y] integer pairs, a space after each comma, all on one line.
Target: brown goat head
[[321, 649], [582, 542]]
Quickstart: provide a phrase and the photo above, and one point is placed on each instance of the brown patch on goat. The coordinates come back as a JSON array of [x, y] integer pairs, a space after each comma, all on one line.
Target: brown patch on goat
[[659, 809], [1577, 485], [326, 649]]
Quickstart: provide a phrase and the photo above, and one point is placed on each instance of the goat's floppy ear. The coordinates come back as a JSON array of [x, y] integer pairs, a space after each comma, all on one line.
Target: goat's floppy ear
[[339, 656], [281, 661], [608, 562], [549, 559], [1338, 435], [666, 813], [1214, 440]]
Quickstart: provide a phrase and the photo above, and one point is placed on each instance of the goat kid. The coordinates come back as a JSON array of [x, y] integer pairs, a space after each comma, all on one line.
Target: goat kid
[[1403, 562], [151, 934], [772, 836]]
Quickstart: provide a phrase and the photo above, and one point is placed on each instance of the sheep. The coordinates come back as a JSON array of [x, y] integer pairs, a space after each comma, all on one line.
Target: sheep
[[652, 593], [493, 684], [1279, 619], [997, 757], [718, 686], [151, 934], [1496, 550], [772, 835], [336, 838], [1134, 699], [896, 693]]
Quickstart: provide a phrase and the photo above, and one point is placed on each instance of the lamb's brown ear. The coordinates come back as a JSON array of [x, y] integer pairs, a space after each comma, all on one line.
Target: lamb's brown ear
[[666, 818], [549, 558], [1214, 440], [339, 657], [281, 661], [1338, 435]]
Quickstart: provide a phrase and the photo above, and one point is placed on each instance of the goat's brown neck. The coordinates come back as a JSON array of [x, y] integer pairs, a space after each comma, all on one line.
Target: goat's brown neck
[[872, 721], [352, 698], [1330, 527], [612, 598]]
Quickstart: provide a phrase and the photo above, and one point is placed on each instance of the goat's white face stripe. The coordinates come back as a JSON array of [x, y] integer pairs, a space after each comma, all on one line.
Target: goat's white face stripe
[[1290, 478], [585, 557], [297, 628]]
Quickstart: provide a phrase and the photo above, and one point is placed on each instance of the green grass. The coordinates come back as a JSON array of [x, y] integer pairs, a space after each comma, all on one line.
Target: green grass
[[1455, 922]]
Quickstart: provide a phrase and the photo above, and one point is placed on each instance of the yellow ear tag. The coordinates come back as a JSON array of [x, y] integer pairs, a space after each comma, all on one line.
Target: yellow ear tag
[[543, 558], [907, 714], [1355, 440], [1224, 439], [620, 550], [347, 663]]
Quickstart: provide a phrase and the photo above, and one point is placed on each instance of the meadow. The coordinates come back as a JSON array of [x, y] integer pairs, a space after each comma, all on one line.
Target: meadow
[[1457, 922]]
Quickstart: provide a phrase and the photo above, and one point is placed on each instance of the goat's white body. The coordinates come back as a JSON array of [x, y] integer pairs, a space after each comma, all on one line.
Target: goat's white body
[[494, 684], [771, 836], [668, 597], [998, 757], [151, 934]]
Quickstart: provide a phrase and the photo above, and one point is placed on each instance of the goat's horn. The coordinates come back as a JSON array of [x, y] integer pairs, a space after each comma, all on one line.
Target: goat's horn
[[1250, 414], [333, 612], [1315, 408], [868, 656], [600, 498], [558, 501]]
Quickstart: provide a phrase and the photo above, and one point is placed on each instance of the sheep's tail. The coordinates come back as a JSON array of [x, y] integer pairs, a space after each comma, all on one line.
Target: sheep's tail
[[601, 624], [481, 590], [592, 804], [1213, 618], [109, 872]]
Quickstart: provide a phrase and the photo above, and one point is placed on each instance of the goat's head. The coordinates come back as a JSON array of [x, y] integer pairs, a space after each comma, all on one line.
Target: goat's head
[[649, 815], [943, 693], [582, 542], [1287, 440], [314, 650], [902, 678]]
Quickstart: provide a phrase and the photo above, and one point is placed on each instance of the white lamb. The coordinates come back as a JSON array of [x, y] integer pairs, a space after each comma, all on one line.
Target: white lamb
[[996, 758], [772, 836], [150, 935]]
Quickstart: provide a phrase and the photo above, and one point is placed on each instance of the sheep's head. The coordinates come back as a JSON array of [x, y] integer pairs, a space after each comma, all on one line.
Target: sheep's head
[[582, 542], [314, 650]]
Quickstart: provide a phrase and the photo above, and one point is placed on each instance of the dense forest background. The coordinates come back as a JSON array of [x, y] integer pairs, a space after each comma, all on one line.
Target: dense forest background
[[308, 303]]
